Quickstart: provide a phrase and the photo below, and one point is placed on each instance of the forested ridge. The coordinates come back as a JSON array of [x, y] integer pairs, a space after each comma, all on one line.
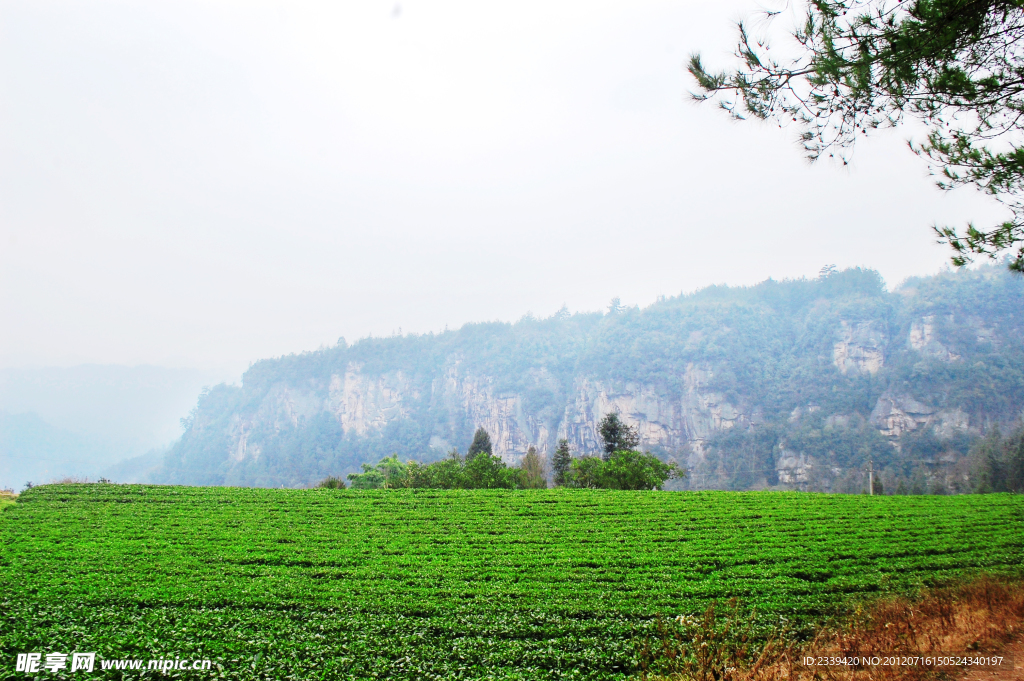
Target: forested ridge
[[791, 369]]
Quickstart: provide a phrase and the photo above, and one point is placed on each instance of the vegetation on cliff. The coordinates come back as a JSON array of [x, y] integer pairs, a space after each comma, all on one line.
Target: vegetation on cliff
[[953, 342]]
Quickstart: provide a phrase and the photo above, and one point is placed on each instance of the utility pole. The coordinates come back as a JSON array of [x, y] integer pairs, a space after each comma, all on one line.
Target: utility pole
[[871, 478]]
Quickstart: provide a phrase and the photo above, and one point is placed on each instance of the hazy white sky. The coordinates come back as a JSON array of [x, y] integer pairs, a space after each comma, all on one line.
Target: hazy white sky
[[206, 184]]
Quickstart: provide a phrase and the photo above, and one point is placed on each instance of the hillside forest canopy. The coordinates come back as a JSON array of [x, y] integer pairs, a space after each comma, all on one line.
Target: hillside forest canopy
[[949, 345]]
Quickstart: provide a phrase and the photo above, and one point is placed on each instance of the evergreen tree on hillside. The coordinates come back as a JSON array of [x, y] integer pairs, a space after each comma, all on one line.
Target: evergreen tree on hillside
[[1015, 462], [532, 471], [1000, 462], [561, 462], [617, 436], [481, 443]]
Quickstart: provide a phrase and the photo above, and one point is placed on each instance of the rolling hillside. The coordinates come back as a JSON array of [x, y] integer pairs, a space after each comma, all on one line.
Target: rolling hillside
[[786, 384]]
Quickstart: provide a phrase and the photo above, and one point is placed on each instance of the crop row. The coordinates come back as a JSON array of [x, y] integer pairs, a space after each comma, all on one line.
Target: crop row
[[450, 584]]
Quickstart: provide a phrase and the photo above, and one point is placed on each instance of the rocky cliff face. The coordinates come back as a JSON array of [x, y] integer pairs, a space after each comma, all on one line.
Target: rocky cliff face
[[677, 425], [896, 414], [680, 425], [364, 404], [924, 339], [685, 372], [859, 347]]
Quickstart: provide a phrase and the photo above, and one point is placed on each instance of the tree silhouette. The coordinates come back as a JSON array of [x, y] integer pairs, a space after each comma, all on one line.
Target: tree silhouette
[[617, 435], [481, 443]]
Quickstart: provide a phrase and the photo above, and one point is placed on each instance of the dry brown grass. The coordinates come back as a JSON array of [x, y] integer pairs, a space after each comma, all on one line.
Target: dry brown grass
[[976, 616]]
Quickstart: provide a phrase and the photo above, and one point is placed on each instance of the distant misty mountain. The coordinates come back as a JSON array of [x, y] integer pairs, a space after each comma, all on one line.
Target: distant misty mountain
[[32, 450], [79, 421], [786, 384]]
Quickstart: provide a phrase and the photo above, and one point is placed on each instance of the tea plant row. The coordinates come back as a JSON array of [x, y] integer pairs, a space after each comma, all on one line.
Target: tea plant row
[[404, 584]]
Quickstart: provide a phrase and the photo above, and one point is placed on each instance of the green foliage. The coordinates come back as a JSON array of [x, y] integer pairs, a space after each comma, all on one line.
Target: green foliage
[[389, 473], [999, 462], [483, 471], [622, 470], [396, 473], [481, 444], [632, 470], [370, 478], [445, 474], [865, 64], [331, 482], [486, 471], [531, 471], [585, 472], [433, 584], [617, 436], [561, 462]]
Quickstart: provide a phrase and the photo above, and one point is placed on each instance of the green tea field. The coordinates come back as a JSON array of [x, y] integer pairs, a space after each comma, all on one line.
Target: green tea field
[[430, 584]]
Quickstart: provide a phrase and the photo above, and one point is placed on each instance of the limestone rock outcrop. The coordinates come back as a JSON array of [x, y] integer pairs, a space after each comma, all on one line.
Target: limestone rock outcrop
[[676, 424], [924, 339], [363, 404], [896, 414], [859, 348]]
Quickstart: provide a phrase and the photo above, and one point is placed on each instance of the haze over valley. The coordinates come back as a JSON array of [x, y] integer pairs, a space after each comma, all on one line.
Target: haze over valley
[[80, 421]]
